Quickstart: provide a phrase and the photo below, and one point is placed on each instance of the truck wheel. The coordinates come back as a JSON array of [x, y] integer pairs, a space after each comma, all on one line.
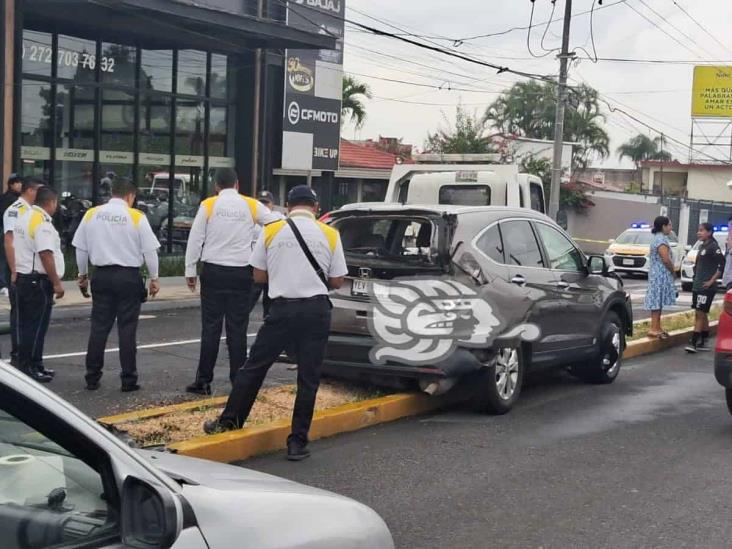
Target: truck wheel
[[728, 394], [499, 386], [605, 368]]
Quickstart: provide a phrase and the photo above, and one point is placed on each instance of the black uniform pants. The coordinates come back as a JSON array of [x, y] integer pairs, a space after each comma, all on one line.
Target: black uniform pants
[[34, 301], [225, 296], [116, 295], [13, 296], [305, 324]]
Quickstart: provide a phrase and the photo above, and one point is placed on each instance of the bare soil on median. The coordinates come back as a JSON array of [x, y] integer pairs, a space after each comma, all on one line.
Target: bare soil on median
[[274, 403]]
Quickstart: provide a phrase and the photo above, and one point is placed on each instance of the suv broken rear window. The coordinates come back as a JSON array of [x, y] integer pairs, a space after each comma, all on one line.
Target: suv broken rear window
[[410, 239]]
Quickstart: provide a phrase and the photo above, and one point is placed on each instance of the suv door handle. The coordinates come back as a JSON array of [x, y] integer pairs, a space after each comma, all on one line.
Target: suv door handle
[[563, 285], [519, 280]]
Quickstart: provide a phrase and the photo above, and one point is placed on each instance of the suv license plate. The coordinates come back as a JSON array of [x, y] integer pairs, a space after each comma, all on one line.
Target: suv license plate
[[630, 262], [360, 288]]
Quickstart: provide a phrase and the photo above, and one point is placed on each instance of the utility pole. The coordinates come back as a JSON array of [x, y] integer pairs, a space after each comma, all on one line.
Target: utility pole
[[257, 113], [662, 161], [564, 58]]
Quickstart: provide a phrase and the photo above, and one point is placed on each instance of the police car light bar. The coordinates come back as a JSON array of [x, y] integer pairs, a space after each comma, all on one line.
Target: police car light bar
[[640, 226], [721, 229]]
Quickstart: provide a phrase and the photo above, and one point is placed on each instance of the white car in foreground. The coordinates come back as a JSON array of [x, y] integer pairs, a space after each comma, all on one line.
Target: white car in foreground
[[67, 482]]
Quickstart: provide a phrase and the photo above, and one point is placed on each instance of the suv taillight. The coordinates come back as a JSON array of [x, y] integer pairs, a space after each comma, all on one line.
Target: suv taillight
[[728, 303]]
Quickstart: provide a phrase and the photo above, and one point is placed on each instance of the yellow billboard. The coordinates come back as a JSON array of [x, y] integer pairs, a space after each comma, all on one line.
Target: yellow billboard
[[712, 92]]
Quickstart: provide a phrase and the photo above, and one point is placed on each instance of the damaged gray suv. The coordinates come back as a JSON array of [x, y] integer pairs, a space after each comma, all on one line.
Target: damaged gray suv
[[471, 298]]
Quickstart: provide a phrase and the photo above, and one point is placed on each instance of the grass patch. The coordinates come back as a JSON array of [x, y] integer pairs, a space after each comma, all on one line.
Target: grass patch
[[672, 322], [170, 265], [272, 404]]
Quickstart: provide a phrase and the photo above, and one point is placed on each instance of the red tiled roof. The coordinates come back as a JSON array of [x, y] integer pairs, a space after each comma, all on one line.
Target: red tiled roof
[[359, 156], [677, 164]]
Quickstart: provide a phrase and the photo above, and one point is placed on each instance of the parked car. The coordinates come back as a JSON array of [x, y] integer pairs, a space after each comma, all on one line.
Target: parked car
[[535, 300], [629, 253], [66, 481], [687, 266], [723, 350]]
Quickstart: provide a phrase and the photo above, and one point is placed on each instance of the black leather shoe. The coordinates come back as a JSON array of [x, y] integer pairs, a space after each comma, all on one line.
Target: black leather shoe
[[297, 451], [216, 426], [92, 386], [199, 389], [130, 388], [47, 372], [40, 377]]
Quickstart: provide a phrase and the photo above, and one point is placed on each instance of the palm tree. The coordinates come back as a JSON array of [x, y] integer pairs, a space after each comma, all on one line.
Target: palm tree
[[354, 93], [641, 148]]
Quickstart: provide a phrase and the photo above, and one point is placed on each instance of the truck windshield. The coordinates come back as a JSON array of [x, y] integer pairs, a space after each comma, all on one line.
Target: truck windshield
[[465, 195], [402, 238]]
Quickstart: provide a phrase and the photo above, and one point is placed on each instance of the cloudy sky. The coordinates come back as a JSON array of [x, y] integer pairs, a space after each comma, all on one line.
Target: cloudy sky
[[658, 94]]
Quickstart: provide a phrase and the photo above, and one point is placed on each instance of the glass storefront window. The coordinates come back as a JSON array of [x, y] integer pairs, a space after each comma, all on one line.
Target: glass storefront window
[[76, 59], [119, 64], [192, 72], [35, 129], [373, 191], [37, 53], [218, 134], [156, 70], [155, 125], [219, 76]]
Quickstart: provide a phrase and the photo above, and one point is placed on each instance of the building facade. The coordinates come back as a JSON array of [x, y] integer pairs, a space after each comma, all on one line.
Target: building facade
[[161, 91]]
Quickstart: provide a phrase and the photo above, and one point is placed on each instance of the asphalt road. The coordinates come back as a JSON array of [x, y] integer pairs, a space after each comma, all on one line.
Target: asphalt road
[[167, 358], [640, 463]]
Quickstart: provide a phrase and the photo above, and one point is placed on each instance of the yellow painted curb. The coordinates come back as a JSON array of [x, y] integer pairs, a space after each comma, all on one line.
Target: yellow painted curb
[[648, 346], [148, 413], [248, 442]]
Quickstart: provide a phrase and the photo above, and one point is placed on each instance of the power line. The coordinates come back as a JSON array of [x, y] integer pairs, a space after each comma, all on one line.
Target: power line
[[652, 22], [670, 24], [698, 24], [531, 26]]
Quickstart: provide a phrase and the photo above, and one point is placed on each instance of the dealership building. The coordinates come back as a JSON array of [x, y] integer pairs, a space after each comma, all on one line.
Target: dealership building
[[162, 91]]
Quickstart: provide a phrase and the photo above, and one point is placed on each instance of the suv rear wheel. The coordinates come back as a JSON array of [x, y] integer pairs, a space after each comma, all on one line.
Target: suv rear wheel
[[499, 386], [605, 368]]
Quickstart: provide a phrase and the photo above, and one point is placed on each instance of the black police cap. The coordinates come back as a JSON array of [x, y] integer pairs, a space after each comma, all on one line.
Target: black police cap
[[302, 192]]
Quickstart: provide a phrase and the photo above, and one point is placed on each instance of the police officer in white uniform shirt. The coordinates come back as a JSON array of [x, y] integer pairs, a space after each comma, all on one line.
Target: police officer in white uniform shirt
[[39, 265], [12, 215], [299, 315], [221, 238], [117, 239], [266, 198]]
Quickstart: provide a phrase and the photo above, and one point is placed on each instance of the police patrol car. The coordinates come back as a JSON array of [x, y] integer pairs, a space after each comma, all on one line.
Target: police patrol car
[[629, 252], [687, 267]]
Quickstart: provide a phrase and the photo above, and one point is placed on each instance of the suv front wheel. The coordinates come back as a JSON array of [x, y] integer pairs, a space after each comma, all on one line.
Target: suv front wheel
[[605, 367], [499, 386]]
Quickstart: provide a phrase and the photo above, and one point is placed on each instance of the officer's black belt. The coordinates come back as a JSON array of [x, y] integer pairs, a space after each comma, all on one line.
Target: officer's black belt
[[32, 276], [117, 268], [300, 299]]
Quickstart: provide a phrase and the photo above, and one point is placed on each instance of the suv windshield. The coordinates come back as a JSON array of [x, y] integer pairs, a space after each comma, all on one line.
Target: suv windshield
[[392, 237]]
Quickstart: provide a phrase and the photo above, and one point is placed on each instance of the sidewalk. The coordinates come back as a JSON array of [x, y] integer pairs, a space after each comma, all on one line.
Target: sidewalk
[[174, 294]]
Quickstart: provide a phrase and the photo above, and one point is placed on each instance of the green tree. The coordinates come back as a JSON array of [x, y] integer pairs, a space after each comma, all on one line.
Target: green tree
[[467, 135], [641, 148], [354, 93], [572, 195], [527, 109]]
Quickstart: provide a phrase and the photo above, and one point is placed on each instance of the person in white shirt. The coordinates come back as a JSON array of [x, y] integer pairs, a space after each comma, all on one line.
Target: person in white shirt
[[11, 216], [266, 198], [221, 238], [299, 315], [39, 264], [117, 239]]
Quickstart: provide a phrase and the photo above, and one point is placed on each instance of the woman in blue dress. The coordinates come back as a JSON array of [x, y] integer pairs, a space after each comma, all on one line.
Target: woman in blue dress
[[661, 286]]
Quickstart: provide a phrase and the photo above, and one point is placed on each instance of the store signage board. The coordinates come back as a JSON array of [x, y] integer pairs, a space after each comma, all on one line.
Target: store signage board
[[154, 159], [244, 7], [35, 153], [74, 155], [189, 161], [116, 157], [313, 89], [712, 92], [221, 162]]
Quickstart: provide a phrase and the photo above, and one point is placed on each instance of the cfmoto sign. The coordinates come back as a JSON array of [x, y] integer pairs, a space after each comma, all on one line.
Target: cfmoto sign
[[293, 113]]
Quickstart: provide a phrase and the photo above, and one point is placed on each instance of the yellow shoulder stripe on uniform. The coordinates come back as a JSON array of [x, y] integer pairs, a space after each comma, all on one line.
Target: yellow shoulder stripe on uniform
[[331, 234], [271, 230], [89, 214], [253, 205], [35, 221], [22, 208], [208, 206], [136, 216]]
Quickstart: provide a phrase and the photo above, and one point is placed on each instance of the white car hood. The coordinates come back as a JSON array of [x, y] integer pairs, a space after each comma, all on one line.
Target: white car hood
[[237, 507]]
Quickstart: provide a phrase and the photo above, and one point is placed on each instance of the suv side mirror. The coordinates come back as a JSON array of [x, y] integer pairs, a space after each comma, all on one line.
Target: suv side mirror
[[596, 265], [149, 516]]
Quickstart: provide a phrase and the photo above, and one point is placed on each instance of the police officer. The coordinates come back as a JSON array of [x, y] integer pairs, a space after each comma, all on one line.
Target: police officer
[[11, 216], [300, 271], [221, 238], [266, 198], [117, 240], [40, 266], [11, 195]]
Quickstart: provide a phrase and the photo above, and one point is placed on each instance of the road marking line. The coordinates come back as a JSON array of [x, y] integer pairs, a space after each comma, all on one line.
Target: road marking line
[[148, 346]]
